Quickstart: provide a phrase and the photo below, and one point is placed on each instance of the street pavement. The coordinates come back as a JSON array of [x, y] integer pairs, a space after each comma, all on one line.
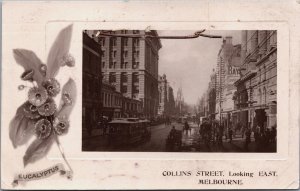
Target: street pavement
[[191, 142]]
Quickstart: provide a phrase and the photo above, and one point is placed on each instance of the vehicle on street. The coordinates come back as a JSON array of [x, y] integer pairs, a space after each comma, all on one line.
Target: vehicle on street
[[174, 141], [126, 131]]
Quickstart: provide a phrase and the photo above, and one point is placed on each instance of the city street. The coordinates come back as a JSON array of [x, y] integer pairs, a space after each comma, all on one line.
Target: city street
[[191, 142]]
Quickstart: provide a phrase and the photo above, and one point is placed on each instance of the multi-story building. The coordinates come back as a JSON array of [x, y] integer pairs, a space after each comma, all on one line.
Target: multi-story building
[[131, 64], [179, 102], [91, 83], [212, 95], [162, 94], [171, 101], [112, 101], [131, 107], [228, 69], [166, 97], [256, 89]]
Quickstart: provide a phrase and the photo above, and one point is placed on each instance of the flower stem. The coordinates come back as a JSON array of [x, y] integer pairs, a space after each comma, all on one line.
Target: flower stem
[[62, 153]]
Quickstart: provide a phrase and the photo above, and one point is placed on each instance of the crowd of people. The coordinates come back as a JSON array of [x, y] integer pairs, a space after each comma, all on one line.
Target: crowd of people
[[212, 131]]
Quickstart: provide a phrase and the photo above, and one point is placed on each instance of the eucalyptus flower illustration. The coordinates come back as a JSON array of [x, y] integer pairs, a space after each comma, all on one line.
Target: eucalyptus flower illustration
[[37, 96], [43, 128], [52, 86], [39, 115], [48, 108], [31, 111], [60, 125]]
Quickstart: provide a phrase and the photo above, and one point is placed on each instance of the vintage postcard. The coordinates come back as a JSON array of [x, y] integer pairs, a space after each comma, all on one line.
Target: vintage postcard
[[150, 95]]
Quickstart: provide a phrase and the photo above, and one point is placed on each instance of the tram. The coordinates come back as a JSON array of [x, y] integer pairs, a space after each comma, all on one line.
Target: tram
[[127, 131]]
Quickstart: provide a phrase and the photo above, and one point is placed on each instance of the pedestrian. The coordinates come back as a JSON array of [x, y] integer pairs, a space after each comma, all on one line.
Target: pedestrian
[[273, 134], [220, 134], [186, 127], [230, 134], [248, 138], [172, 133], [268, 136], [256, 135]]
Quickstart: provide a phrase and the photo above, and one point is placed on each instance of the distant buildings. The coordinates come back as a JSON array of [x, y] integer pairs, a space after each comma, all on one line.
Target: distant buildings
[[166, 97]]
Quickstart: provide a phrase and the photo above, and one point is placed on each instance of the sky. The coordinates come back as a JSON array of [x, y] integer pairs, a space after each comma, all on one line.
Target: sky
[[189, 63]]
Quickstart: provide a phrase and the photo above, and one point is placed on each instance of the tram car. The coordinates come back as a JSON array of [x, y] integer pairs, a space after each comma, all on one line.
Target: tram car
[[127, 131]]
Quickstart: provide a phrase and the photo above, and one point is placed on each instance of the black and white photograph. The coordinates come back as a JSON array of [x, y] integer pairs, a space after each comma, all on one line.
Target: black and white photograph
[[154, 95], [179, 91]]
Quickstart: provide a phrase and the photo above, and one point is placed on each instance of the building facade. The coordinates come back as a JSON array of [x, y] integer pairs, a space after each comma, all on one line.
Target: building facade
[[131, 107], [228, 71], [166, 97], [211, 92], [91, 83], [255, 99], [112, 101], [131, 64]]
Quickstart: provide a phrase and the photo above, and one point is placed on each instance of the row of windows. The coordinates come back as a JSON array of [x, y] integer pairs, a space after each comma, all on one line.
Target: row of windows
[[113, 54], [113, 41], [131, 106], [110, 100], [124, 77], [124, 65]]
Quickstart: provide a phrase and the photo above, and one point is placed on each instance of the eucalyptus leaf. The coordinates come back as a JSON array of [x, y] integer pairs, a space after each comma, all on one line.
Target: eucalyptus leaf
[[30, 62], [38, 149], [68, 99], [59, 48], [21, 128]]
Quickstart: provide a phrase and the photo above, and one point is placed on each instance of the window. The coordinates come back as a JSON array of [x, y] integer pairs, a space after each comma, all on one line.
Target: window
[[136, 54], [135, 90], [124, 64], [112, 77], [124, 77], [125, 41], [264, 73], [124, 89], [125, 54], [265, 96], [136, 42], [115, 53], [114, 41], [108, 100], [105, 99], [259, 96], [135, 65], [103, 64], [102, 41], [114, 64], [135, 32], [103, 54], [135, 77]]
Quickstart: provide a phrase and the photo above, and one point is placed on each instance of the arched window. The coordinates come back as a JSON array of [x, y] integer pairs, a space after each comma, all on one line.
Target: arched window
[[265, 95], [264, 73], [259, 96]]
